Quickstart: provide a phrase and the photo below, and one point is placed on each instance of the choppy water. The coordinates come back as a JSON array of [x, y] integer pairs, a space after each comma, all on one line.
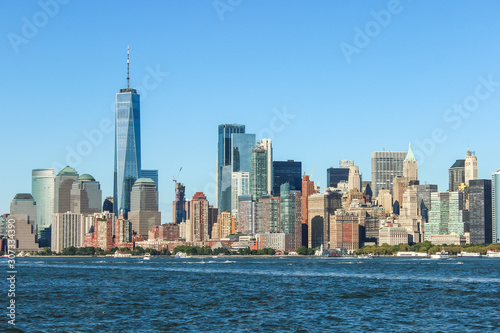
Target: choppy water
[[256, 295]]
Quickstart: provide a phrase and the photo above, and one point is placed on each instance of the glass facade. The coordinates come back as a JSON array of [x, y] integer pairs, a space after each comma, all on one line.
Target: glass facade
[[241, 151], [153, 174], [287, 172], [240, 185], [258, 173], [386, 165], [42, 190], [224, 167], [480, 211], [447, 214], [127, 148], [336, 175], [495, 196]]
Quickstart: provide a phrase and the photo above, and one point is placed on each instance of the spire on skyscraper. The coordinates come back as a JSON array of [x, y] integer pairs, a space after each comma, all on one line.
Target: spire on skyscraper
[[128, 77], [410, 156]]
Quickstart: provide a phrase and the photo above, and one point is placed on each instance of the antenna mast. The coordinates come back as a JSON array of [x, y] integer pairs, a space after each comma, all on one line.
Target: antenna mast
[[128, 78]]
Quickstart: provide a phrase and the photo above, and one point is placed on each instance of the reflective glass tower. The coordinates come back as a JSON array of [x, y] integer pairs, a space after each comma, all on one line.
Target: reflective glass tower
[[224, 166], [127, 146]]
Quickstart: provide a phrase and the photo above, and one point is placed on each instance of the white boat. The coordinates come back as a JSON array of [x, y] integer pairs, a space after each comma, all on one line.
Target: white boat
[[493, 254], [440, 255], [411, 254], [180, 255], [469, 254], [119, 254], [147, 256]]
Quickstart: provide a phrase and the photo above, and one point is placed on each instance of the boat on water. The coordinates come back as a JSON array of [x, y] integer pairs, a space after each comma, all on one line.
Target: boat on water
[[365, 256], [119, 254], [147, 256], [492, 254], [411, 254], [440, 255], [469, 254], [181, 255]]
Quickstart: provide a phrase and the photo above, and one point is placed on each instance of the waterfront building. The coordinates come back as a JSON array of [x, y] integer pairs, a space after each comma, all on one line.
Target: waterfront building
[[495, 198], [456, 175], [409, 217], [227, 224], [447, 215], [85, 195], [386, 166], [276, 241], [127, 157], [290, 217], [470, 167], [42, 189], [344, 231], [24, 203], [321, 207], [68, 229], [287, 172], [224, 167], [63, 184], [449, 239], [122, 231], [144, 213], [268, 147], [393, 235], [197, 224], [247, 210], [101, 233], [23, 210], [480, 211]]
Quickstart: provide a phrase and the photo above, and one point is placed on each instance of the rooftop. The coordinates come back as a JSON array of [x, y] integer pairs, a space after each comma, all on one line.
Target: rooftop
[[68, 170]]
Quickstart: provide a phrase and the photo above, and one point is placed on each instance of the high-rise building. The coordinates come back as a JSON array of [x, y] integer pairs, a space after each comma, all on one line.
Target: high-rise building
[[480, 211], [307, 190], [153, 174], [246, 215], [144, 213], [240, 185], [290, 217], [42, 189], [268, 215], [386, 165], [241, 145], [354, 179], [336, 175], [23, 210], [424, 199], [258, 172], [85, 195], [410, 167], [197, 223], [224, 167], [127, 146], [409, 216], [226, 224], [287, 172], [179, 205], [68, 230], [344, 231], [62, 194], [267, 145], [470, 166], [320, 207], [107, 205], [346, 164], [456, 175], [447, 215], [495, 198]]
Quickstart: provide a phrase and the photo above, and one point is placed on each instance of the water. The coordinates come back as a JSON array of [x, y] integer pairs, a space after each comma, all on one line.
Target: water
[[258, 294]]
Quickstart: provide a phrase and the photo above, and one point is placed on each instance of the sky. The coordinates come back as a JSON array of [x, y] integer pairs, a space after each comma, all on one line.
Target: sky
[[325, 80]]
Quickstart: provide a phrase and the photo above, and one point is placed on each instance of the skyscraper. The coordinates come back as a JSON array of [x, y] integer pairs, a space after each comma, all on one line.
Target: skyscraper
[[144, 213], [153, 174], [267, 145], [410, 167], [456, 175], [287, 172], [386, 165], [495, 197], [447, 215], [258, 172], [86, 195], [470, 166], [127, 146], [24, 211], [336, 175], [63, 184], [480, 211], [241, 144], [42, 189], [240, 185], [224, 167], [179, 204]]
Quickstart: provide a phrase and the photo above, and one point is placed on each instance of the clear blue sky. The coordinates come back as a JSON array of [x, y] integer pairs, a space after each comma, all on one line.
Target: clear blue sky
[[262, 56]]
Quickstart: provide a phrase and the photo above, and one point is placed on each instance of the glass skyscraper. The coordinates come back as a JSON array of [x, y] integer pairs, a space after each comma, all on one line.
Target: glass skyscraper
[[241, 151], [127, 147], [495, 194], [42, 190], [224, 166], [287, 172]]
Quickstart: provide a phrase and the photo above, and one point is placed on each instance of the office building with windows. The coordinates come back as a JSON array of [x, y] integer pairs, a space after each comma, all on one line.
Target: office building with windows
[[386, 165], [287, 172]]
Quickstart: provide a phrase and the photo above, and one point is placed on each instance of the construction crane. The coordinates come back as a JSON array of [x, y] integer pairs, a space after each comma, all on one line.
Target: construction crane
[[176, 177], [312, 172]]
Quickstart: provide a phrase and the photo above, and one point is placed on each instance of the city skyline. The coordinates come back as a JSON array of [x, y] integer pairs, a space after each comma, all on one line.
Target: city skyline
[[307, 117]]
